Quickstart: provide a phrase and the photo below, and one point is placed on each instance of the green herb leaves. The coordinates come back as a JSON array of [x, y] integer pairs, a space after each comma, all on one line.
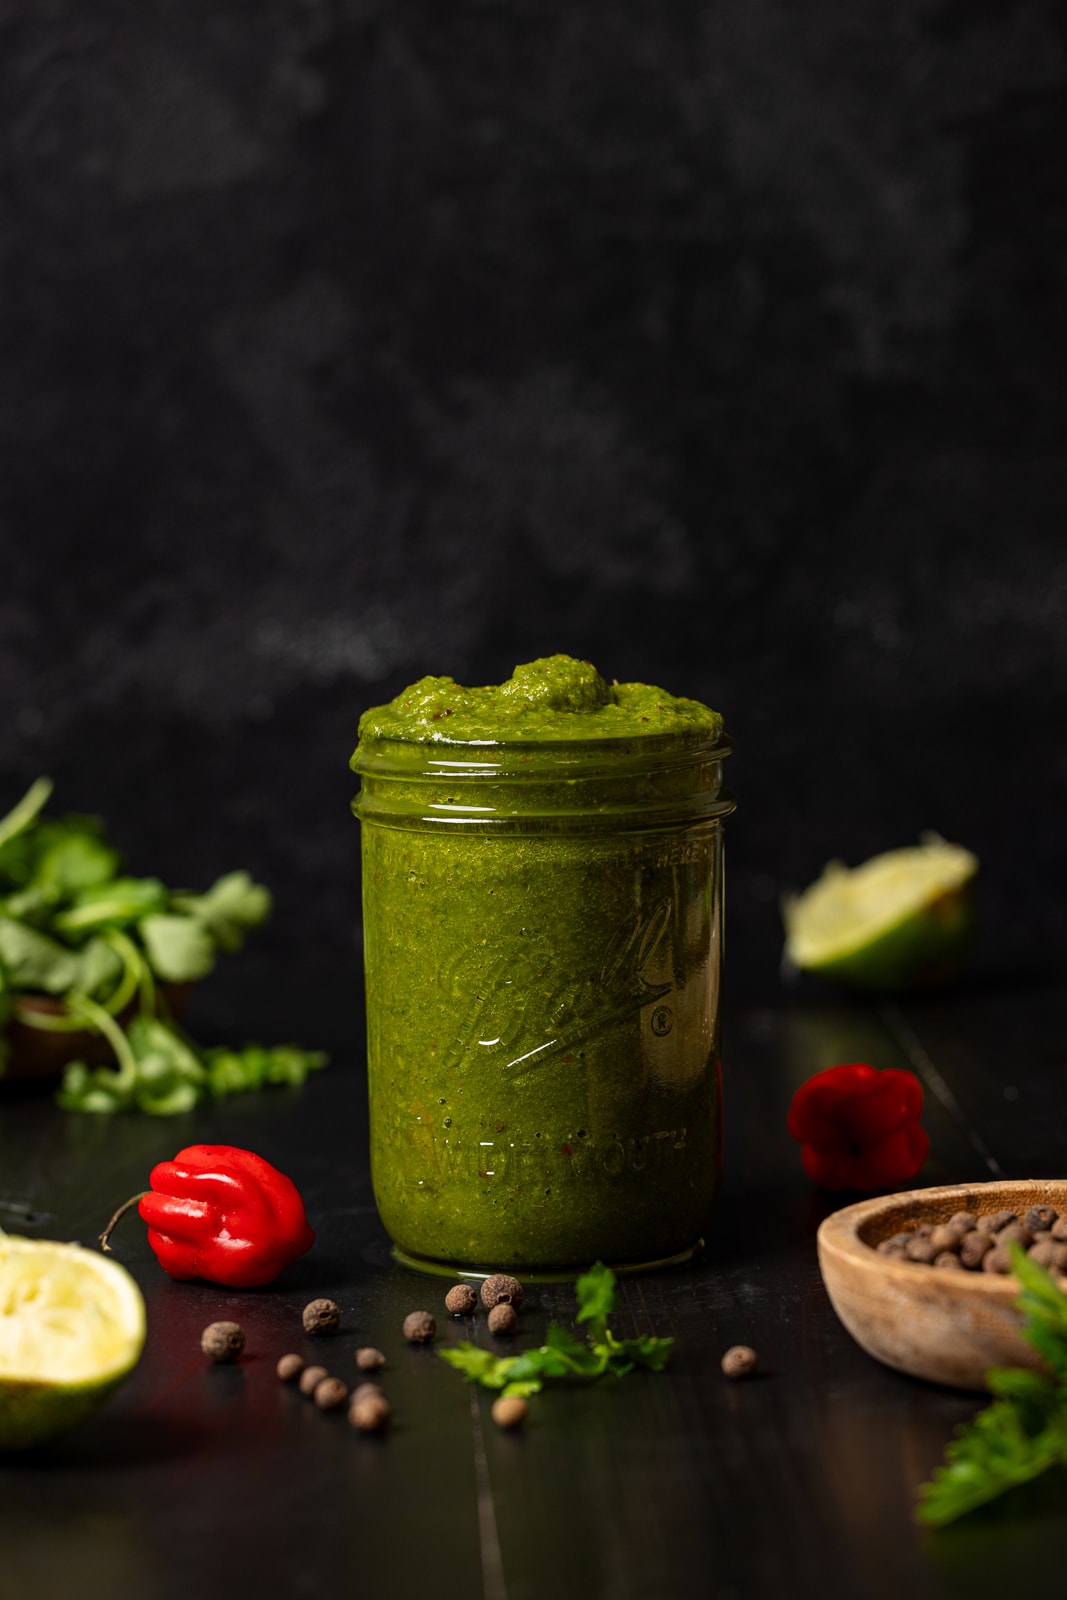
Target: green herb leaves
[[1024, 1431], [72, 928], [563, 1355]]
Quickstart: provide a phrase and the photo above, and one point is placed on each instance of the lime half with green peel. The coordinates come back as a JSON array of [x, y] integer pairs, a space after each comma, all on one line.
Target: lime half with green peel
[[903, 920], [72, 1327]]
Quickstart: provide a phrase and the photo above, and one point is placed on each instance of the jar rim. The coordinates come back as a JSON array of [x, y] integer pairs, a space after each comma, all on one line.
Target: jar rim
[[533, 760]]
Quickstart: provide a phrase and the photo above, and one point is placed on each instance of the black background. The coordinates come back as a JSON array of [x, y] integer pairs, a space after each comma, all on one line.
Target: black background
[[345, 341]]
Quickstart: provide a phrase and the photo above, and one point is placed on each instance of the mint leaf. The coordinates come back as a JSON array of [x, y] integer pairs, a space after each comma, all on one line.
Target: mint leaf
[[622, 1355], [100, 967], [33, 961], [116, 904], [71, 856], [238, 1071], [492, 1372], [179, 949], [596, 1298], [1024, 1431], [232, 906]]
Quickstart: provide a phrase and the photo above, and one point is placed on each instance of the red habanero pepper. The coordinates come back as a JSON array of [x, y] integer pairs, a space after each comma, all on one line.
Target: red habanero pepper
[[224, 1214], [858, 1128]]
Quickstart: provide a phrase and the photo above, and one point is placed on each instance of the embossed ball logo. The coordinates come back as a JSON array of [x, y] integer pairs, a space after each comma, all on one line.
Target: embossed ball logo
[[662, 1020]]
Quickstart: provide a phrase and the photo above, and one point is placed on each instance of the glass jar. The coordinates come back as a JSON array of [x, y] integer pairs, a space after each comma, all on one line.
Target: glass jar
[[542, 927]]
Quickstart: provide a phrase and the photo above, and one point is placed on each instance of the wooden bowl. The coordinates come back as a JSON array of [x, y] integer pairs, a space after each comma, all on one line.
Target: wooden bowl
[[949, 1327], [36, 1055]]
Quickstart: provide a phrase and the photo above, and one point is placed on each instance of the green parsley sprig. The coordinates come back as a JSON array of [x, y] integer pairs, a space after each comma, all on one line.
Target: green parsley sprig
[[1024, 1431], [74, 928], [563, 1355]]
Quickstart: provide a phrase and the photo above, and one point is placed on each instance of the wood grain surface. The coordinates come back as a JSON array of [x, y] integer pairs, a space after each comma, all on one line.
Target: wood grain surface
[[798, 1482]]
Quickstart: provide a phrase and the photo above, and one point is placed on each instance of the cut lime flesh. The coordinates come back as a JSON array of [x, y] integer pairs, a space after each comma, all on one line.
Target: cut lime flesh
[[902, 920], [72, 1326]]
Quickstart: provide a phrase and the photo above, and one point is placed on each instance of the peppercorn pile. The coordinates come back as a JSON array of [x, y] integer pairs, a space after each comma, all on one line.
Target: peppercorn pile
[[971, 1243]]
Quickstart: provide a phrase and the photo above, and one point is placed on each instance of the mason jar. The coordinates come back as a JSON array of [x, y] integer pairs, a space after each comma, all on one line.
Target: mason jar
[[543, 939]]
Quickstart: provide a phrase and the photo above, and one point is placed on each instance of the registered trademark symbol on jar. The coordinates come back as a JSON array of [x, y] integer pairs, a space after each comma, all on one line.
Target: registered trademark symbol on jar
[[662, 1020]]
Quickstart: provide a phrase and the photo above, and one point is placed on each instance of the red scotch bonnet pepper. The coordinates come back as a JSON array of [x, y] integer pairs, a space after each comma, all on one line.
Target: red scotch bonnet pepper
[[858, 1128], [223, 1214]]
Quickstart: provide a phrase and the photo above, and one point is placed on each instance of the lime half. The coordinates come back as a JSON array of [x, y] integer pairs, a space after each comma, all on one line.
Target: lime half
[[903, 920], [72, 1326]]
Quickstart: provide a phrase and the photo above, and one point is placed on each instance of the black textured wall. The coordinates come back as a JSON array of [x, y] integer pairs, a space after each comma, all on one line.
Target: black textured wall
[[347, 340]]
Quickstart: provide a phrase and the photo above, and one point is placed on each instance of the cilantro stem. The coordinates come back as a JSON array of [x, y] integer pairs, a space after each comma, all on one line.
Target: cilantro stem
[[21, 815], [125, 1077], [134, 969], [46, 1021]]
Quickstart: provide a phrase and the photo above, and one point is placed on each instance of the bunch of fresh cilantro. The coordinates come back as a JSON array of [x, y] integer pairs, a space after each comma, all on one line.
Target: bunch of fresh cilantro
[[74, 928], [563, 1355], [1024, 1432]]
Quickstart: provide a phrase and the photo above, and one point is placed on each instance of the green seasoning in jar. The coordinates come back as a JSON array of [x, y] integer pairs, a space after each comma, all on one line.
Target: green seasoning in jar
[[542, 906]]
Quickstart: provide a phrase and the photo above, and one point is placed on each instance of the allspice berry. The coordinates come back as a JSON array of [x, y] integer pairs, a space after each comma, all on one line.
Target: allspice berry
[[290, 1367], [330, 1394], [502, 1318], [321, 1316], [510, 1411], [461, 1300], [739, 1361], [1040, 1218], [310, 1379], [502, 1287], [997, 1260], [974, 1247], [371, 1414], [223, 1341], [368, 1359], [419, 1327]]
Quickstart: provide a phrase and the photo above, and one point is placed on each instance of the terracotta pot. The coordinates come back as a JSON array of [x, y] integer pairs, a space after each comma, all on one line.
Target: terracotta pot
[[39, 1055]]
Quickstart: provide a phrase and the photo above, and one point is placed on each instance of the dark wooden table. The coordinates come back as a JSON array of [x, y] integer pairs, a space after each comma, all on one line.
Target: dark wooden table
[[221, 1482]]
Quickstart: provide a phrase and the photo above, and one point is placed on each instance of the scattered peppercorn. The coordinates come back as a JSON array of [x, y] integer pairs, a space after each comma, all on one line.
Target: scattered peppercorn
[[739, 1361], [461, 1300], [321, 1316], [371, 1414], [223, 1341], [330, 1394], [502, 1318], [290, 1367], [997, 1260], [510, 1411], [363, 1391], [368, 1359], [310, 1379], [500, 1286], [1059, 1229], [419, 1327], [949, 1259], [965, 1221]]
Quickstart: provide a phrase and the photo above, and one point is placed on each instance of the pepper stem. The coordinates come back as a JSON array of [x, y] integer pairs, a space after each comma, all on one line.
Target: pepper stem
[[117, 1218]]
